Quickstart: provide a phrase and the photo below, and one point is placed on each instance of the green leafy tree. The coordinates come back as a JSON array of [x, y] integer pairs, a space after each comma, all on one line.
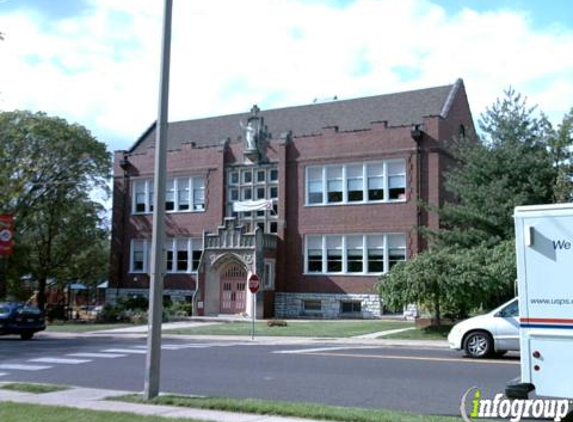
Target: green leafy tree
[[512, 165], [561, 149], [48, 168]]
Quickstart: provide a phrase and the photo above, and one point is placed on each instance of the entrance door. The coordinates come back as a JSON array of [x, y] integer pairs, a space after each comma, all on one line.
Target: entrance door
[[233, 289]]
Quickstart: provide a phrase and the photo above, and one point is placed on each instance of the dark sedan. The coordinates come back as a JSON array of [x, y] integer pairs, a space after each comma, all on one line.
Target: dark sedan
[[21, 319]]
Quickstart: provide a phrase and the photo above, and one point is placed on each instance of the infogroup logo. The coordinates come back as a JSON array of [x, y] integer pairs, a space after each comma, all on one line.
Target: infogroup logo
[[474, 406]]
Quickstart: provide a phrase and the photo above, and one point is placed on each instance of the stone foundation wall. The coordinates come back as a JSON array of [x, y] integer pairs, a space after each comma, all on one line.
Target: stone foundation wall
[[291, 305], [111, 294]]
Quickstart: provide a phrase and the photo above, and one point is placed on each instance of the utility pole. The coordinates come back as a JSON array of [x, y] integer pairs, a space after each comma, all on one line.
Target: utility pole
[[152, 364]]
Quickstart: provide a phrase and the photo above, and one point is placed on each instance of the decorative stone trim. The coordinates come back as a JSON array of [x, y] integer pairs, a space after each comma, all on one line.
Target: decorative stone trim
[[111, 295]]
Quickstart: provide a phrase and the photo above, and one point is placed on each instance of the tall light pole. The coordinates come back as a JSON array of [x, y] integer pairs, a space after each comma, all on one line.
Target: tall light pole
[[152, 363]]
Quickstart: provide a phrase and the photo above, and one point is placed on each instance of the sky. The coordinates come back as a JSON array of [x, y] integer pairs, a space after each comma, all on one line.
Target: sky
[[96, 62]]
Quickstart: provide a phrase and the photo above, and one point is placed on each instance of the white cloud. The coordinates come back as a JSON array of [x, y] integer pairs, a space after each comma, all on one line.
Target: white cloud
[[100, 69]]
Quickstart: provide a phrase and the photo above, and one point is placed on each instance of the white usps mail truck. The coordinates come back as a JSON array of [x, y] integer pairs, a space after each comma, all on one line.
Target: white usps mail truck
[[544, 245]]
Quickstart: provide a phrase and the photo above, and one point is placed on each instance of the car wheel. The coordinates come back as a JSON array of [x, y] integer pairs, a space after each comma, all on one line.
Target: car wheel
[[26, 336], [478, 345]]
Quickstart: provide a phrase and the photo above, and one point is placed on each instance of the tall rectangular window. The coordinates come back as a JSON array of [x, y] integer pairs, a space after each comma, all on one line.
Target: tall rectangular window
[[314, 254], [170, 195], [139, 188], [182, 255], [198, 194], [183, 194], [355, 183], [334, 254], [396, 249], [375, 253], [315, 187], [138, 256], [354, 254], [169, 255], [197, 250], [375, 182], [396, 180], [334, 184]]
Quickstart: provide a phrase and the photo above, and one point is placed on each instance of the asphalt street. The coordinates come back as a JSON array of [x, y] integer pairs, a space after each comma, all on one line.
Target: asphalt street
[[430, 381]]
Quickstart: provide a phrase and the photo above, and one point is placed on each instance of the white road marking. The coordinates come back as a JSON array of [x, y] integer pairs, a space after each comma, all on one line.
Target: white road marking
[[60, 361], [128, 351], [20, 367], [325, 349], [97, 355]]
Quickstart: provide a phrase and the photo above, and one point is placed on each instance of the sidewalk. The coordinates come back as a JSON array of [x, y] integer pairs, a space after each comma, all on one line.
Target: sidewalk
[[95, 399], [372, 339]]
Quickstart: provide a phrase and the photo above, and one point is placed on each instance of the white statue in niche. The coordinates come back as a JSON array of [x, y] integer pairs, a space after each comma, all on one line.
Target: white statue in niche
[[250, 134]]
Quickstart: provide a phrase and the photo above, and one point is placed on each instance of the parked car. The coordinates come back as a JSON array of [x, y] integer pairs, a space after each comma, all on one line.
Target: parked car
[[492, 334], [20, 318]]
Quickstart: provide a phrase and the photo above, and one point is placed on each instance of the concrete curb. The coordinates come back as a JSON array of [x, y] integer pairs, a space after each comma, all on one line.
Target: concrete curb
[[95, 399]]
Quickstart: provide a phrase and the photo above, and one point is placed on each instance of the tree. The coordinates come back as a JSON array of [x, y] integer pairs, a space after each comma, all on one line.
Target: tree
[[451, 282], [512, 165], [518, 160], [48, 168], [561, 149]]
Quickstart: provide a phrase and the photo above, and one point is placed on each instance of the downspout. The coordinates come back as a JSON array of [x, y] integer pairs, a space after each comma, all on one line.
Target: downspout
[[124, 164], [417, 135]]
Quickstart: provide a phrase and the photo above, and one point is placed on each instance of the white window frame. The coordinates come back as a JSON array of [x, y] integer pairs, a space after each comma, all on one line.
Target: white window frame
[[323, 170], [145, 256], [193, 181], [172, 243], [323, 241]]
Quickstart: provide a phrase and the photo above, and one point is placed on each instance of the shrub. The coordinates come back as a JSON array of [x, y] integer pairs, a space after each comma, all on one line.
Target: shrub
[[276, 323]]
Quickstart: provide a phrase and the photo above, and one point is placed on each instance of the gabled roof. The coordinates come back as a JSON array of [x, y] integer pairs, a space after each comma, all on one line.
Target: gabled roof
[[399, 109]]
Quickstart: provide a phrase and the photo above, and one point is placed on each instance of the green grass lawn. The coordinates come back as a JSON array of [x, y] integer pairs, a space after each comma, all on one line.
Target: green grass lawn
[[298, 410], [428, 333], [33, 388], [17, 412], [82, 327], [296, 329]]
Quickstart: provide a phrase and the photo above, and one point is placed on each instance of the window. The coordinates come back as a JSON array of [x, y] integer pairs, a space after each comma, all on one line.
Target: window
[[334, 184], [269, 275], [355, 183], [396, 250], [273, 175], [314, 254], [383, 181], [178, 193], [139, 188], [198, 194], [197, 251], [375, 254], [375, 182], [396, 180], [261, 176], [138, 256], [247, 176], [170, 196], [273, 192], [261, 193], [315, 186], [350, 307], [183, 254], [334, 254], [247, 194], [312, 306], [234, 178], [233, 194], [353, 254]]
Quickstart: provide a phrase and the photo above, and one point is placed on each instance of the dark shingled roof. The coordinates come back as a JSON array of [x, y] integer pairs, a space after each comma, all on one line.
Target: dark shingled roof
[[398, 109]]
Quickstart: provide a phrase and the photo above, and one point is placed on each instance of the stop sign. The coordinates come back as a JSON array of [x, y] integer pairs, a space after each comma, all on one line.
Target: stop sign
[[254, 283]]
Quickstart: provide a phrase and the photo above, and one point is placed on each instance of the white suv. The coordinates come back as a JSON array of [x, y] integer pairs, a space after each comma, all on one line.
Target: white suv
[[488, 335]]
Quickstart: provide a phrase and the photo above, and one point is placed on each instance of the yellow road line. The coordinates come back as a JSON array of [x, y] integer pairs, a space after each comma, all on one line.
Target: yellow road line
[[422, 358]]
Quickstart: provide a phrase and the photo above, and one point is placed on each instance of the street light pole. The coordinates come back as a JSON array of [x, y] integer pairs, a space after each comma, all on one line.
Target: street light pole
[[152, 364]]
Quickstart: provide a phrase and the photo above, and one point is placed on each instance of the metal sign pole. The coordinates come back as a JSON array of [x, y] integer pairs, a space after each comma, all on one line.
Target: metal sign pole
[[254, 311]]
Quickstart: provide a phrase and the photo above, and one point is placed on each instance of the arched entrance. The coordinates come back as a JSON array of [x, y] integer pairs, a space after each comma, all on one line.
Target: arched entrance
[[233, 289]]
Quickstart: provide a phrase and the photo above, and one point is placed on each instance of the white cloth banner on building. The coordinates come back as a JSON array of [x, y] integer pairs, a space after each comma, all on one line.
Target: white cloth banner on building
[[259, 205]]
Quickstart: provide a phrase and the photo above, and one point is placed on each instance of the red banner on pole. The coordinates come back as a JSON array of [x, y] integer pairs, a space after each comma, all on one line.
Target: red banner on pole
[[6, 234]]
